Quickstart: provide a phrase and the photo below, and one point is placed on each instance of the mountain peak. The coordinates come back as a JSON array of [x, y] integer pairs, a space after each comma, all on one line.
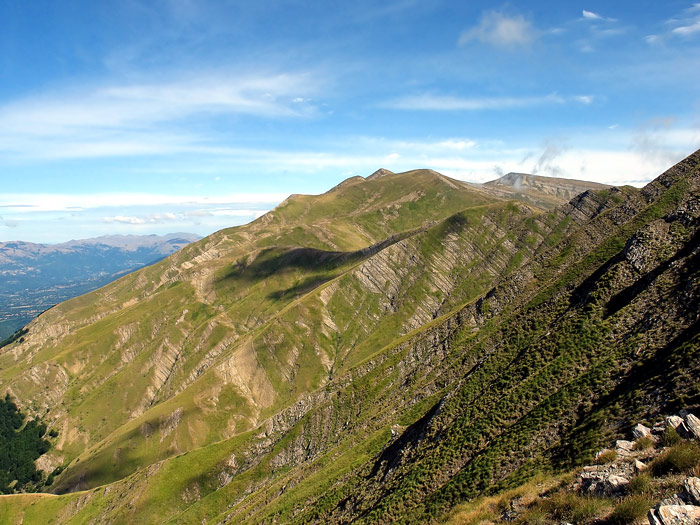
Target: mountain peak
[[381, 172]]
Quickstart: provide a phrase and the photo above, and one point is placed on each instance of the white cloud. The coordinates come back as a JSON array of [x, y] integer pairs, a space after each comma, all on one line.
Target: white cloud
[[500, 30], [684, 25], [125, 220], [590, 15], [687, 30], [138, 119], [35, 202], [584, 99], [448, 103]]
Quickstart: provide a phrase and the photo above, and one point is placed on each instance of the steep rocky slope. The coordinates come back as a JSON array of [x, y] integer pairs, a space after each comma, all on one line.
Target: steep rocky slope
[[214, 340], [373, 367]]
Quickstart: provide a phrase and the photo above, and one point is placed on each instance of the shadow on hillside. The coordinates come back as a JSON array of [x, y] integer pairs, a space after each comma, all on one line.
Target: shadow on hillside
[[302, 288], [278, 259]]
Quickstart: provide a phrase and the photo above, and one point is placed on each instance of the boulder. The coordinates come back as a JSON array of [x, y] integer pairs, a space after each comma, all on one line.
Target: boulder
[[603, 483], [639, 466], [692, 423], [675, 515], [640, 431], [623, 447], [677, 423], [692, 490]]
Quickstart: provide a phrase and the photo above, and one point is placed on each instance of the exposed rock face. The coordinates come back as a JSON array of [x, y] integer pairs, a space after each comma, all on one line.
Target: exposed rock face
[[603, 483], [624, 448], [675, 515], [678, 424], [692, 490], [692, 423], [381, 172], [640, 431]]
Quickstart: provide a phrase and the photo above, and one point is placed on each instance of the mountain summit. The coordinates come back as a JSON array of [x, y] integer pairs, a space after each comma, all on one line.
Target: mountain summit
[[381, 352]]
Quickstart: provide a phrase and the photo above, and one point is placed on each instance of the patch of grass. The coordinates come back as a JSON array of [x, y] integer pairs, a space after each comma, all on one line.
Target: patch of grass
[[644, 443], [671, 437], [681, 458], [574, 507], [630, 510], [607, 457], [640, 484]]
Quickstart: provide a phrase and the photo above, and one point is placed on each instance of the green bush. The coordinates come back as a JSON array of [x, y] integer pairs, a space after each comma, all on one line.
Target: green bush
[[630, 510], [609, 456], [671, 437], [21, 443], [681, 458], [643, 443], [640, 484]]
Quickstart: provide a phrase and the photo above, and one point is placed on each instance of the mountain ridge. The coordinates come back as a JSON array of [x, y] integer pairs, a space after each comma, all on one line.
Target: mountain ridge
[[398, 382]]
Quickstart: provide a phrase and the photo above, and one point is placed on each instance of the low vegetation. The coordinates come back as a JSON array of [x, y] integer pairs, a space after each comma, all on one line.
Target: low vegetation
[[21, 443]]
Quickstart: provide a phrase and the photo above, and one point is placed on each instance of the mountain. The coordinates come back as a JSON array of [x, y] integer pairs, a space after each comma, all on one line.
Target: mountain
[[379, 353], [545, 192], [37, 276]]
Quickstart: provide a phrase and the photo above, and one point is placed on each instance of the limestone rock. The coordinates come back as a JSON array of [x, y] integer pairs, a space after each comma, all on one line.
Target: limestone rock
[[692, 490], [677, 423], [671, 501], [675, 515], [640, 431], [603, 483], [674, 421], [692, 423], [639, 466], [623, 447]]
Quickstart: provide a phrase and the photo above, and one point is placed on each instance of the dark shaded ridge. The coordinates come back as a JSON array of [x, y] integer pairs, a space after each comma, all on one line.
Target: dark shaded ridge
[[391, 456], [619, 300]]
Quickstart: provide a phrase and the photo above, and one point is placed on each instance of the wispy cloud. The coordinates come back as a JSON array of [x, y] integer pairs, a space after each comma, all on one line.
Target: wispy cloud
[[43, 202], [498, 29], [142, 119], [590, 15], [449, 103], [687, 30], [685, 25]]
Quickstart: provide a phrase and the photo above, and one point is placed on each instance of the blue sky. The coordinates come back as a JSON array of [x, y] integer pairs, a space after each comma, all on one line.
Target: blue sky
[[159, 116]]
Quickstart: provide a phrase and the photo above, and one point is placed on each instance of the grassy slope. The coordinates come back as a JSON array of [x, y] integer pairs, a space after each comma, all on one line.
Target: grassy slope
[[306, 453], [127, 350]]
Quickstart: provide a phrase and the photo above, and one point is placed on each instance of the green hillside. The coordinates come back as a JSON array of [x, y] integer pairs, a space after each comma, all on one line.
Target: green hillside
[[379, 353]]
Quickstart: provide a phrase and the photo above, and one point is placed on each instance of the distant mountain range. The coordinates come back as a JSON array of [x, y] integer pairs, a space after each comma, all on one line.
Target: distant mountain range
[[34, 277]]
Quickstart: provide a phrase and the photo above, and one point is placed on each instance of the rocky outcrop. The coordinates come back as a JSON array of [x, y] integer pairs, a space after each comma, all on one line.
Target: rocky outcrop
[[674, 515]]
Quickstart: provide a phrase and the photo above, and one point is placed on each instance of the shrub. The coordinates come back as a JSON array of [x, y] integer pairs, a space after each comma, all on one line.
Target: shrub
[[681, 458], [643, 443], [609, 456], [671, 437], [630, 510], [640, 484]]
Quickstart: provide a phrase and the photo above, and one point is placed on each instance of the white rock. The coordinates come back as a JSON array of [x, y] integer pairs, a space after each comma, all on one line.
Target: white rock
[[678, 425], [678, 515], [692, 423], [692, 489], [624, 447], [639, 466], [640, 431]]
